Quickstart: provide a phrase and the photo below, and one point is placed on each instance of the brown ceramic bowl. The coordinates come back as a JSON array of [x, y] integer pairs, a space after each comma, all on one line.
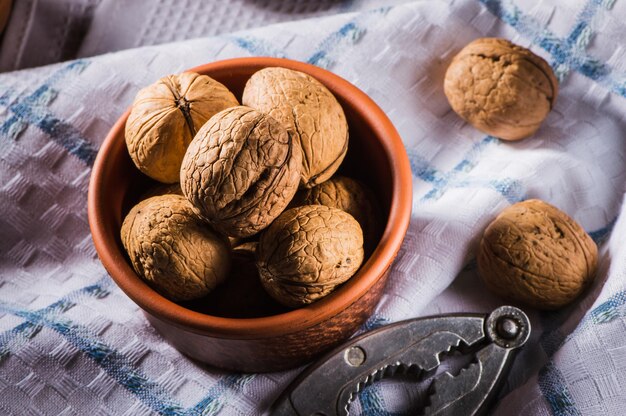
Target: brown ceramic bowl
[[275, 338]]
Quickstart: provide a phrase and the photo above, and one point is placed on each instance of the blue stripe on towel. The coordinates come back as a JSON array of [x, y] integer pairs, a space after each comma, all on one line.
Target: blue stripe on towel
[[601, 234], [21, 334], [31, 110], [375, 321], [511, 189], [320, 56], [116, 365], [212, 403], [552, 338], [372, 402], [567, 53], [12, 126], [609, 310], [350, 32], [577, 41], [257, 46], [551, 382], [553, 386]]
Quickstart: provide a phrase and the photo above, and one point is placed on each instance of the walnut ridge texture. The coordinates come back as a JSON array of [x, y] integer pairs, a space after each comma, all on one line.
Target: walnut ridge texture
[[165, 117], [350, 196], [172, 249], [310, 113], [535, 254], [500, 88], [307, 252], [240, 171]]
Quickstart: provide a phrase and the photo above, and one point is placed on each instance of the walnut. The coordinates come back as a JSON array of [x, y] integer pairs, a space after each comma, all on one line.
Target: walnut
[[307, 252], [309, 112], [500, 88], [536, 254], [172, 249], [350, 196], [165, 117], [240, 171]]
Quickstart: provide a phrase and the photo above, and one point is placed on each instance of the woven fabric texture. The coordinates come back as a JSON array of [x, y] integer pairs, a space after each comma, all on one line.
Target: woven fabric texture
[[71, 343]]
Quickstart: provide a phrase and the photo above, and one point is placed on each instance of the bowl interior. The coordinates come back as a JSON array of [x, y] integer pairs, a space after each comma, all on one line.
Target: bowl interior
[[372, 158]]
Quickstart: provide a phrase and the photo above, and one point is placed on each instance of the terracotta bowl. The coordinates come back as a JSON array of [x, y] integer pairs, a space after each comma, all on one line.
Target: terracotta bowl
[[266, 337]]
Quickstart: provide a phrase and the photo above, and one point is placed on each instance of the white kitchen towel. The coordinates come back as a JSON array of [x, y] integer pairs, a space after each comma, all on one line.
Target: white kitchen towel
[[42, 32], [72, 343]]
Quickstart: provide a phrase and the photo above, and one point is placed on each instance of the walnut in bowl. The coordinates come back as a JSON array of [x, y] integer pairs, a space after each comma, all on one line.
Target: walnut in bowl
[[311, 114], [172, 249], [241, 170], [307, 252], [348, 195], [277, 340], [165, 117]]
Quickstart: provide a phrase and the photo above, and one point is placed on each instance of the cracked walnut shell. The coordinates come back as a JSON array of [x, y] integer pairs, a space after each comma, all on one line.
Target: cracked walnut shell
[[500, 88], [311, 114], [536, 254], [240, 171], [172, 249], [307, 252], [165, 117]]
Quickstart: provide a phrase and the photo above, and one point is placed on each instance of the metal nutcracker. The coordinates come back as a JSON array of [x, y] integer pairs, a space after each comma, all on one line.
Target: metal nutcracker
[[415, 346]]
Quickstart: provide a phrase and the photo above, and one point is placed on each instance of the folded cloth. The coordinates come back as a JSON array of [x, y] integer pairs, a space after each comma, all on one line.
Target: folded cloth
[[42, 32], [72, 343]]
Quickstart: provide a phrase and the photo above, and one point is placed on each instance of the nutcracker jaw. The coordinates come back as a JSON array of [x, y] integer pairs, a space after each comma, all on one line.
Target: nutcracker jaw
[[415, 347]]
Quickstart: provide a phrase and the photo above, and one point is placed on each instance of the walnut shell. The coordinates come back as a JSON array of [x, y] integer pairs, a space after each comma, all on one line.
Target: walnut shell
[[536, 254], [165, 117], [350, 196], [240, 171], [500, 88], [309, 112], [172, 249], [307, 252]]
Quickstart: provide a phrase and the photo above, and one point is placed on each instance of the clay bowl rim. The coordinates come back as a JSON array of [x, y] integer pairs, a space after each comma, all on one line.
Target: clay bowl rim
[[114, 261]]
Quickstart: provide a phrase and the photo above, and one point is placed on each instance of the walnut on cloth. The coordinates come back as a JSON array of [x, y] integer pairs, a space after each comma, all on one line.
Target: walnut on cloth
[[311, 114], [500, 88], [307, 252], [165, 117], [536, 254], [174, 250], [240, 171], [348, 195]]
